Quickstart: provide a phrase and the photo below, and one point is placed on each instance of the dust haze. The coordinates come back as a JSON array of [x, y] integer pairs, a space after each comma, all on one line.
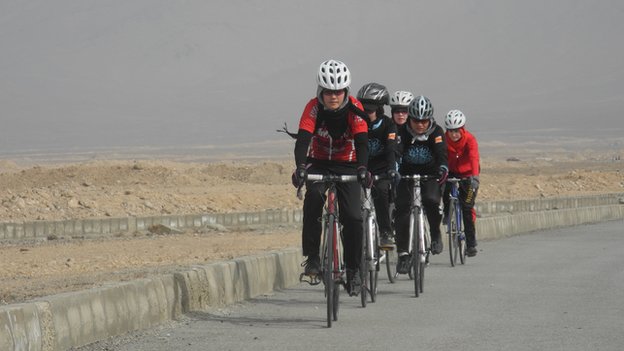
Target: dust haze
[[220, 76]]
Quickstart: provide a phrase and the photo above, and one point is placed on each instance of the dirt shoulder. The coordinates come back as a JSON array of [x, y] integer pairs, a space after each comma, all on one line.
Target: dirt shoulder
[[141, 188]]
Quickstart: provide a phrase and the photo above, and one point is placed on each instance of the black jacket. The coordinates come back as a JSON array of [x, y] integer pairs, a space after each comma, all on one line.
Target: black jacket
[[424, 156]]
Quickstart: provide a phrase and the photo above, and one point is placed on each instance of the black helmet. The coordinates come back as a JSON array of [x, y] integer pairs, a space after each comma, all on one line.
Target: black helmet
[[420, 108], [373, 94]]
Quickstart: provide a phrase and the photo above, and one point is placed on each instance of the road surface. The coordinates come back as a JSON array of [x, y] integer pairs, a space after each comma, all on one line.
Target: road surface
[[553, 290]]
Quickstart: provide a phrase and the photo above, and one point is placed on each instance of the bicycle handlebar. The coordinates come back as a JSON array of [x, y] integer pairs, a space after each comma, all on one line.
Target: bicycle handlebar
[[421, 177], [325, 178], [331, 178]]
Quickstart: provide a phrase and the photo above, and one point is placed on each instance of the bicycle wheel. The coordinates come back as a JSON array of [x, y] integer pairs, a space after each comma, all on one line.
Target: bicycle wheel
[[415, 258], [461, 237], [328, 272], [364, 265], [423, 265], [391, 259], [336, 298], [453, 234]]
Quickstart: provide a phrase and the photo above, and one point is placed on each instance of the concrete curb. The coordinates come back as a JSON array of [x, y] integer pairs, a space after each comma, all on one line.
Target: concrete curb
[[98, 227], [62, 321]]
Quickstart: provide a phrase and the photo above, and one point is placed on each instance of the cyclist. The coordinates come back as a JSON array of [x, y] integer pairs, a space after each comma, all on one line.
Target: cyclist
[[332, 138], [399, 101], [463, 160], [381, 155], [423, 152]]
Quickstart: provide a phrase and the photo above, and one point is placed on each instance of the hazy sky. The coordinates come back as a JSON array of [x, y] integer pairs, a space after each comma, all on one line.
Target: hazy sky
[[84, 74]]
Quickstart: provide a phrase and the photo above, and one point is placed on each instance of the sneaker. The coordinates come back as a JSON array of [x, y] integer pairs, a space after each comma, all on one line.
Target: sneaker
[[436, 247], [403, 265], [312, 265], [354, 282], [471, 251], [386, 241]]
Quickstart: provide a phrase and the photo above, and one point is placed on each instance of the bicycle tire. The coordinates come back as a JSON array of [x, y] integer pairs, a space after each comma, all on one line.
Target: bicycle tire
[[328, 273], [391, 260], [363, 272], [461, 236], [453, 234], [415, 257], [336, 299], [423, 265]]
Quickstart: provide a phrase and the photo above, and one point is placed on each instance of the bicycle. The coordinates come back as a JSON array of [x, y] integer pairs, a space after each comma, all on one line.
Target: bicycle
[[419, 236], [455, 225], [332, 263]]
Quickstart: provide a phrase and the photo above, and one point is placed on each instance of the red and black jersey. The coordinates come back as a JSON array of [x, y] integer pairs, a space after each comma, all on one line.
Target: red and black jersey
[[326, 145]]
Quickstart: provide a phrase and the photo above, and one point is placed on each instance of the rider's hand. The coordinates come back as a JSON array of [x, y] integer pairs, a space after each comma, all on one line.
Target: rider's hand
[[299, 175], [394, 177], [442, 175], [365, 177]]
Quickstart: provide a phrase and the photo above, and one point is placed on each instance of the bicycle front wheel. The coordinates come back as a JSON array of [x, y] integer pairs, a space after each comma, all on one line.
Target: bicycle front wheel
[[374, 267], [416, 267], [453, 234], [364, 266], [424, 255], [461, 240], [328, 271]]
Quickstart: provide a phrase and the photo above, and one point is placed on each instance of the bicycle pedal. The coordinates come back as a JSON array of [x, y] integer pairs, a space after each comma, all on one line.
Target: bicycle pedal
[[313, 279]]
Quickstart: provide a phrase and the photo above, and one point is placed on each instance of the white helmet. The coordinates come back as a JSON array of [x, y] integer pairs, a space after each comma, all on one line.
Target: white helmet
[[454, 119], [401, 99], [333, 75]]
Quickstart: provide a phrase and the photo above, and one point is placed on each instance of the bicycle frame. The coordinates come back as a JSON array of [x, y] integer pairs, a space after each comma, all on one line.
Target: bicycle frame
[[417, 212], [418, 246]]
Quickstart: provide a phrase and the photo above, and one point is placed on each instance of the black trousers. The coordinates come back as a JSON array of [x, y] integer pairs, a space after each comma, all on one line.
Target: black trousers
[[381, 199], [350, 216], [431, 194]]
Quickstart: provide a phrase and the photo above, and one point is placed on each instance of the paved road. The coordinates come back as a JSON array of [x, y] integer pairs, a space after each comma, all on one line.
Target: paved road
[[554, 290]]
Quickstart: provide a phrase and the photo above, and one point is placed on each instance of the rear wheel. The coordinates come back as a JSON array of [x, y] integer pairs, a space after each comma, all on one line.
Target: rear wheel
[[390, 256]]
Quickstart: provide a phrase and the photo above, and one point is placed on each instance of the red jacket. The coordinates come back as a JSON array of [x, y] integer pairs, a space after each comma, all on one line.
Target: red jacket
[[463, 155]]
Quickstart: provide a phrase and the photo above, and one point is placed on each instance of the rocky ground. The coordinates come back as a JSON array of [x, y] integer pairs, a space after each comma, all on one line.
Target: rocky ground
[[149, 187]]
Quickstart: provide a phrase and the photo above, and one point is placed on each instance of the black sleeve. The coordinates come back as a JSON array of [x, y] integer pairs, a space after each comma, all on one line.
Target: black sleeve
[[361, 149], [301, 147], [439, 149], [391, 144]]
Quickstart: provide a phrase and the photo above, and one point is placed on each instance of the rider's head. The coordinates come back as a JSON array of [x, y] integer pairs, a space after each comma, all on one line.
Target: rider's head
[[420, 112], [333, 79], [399, 102], [454, 123], [373, 97]]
